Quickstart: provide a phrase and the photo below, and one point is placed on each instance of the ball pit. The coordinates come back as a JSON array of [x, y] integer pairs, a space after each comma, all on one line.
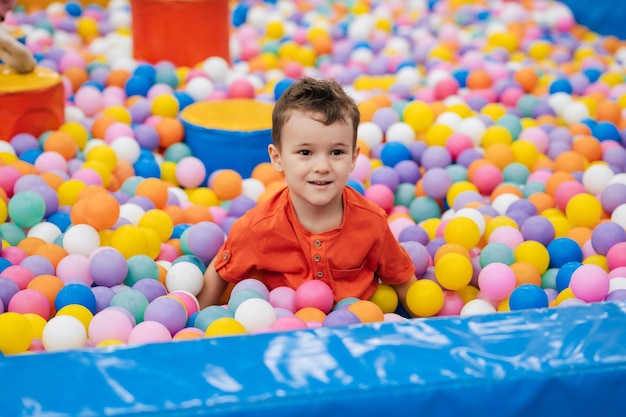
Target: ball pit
[[500, 164]]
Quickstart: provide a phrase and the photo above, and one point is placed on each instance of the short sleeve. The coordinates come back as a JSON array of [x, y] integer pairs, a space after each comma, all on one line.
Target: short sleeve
[[396, 266], [236, 259]]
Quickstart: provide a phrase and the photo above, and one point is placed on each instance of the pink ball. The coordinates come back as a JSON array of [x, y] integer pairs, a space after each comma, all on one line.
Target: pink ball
[[116, 130], [110, 323], [218, 213], [399, 224], [496, 281], [149, 332], [50, 161], [620, 271], [8, 177], [283, 297], [536, 135], [13, 254], [287, 323], [380, 195], [240, 88], [71, 59], [362, 168], [30, 301], [565, 191], [508, 235], [88, 176], [190, 172], [314, 293], [159, 89], [615, 257], [486, 178], [74, 267], [89, 100], [452, 304], [457, 143], [446, 87], [18, 274], [167, 253], [252, 284], [189, 300], [510, 96], [590, 283]]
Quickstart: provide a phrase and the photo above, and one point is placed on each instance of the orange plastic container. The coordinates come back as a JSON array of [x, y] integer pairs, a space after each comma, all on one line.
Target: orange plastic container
[[30, 103], [184, 32]]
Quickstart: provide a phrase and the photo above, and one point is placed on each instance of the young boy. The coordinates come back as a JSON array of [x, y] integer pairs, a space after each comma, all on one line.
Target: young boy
[[13, 53], [316, 227]]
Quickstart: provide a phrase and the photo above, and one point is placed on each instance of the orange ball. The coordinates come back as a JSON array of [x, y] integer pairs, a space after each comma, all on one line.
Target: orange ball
[[24, 167], [541, 201], [77, 76], [609, 111], [450, 248], [500, 155], [589, 147], [367, 311], [525, 273], [52, 180], [101, 124], [170, 131], [226, 183], [176, 213], [570, 161], [77, 212], [101, 211], [506, 189], [30, 244], [49, 286], [118, 77], [308, 314], [527, 78], [557, 179], [266, 173], [196, 213], [52, 252], [62, 143], [579, 235], [153, 189], [478, 79]]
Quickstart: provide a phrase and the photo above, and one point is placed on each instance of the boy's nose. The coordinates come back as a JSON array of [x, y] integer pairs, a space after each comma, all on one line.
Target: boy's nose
[[321, 164]]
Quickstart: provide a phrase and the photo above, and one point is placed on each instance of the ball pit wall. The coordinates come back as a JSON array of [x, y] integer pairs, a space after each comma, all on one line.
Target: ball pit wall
[[566, 361], [605, 17]]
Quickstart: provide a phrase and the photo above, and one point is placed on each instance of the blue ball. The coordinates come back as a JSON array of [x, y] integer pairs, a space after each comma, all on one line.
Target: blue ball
[[394, 152], [61, 220], [208, 315], [564, 275], [240, 14], [179, 229], [184, 99], [30, 155], [281, 86], [461, 76], [357, 185], [137, 86], [146, 71], [4, 264], [561, 85], [528, 296], [605, 131], [147, 169], [563, 250], [73, 8], [76, 294]]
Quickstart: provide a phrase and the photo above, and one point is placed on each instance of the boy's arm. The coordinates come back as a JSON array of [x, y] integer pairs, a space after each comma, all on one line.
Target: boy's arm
[[402, 290], [15, 54], [213, 287]]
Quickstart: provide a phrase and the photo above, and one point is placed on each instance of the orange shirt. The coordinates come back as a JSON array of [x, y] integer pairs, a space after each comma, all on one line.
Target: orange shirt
[[270, 244]]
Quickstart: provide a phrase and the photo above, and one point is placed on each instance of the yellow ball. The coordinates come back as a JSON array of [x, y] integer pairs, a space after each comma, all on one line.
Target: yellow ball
[[599, 260], [462, 230], [159, 221], [109, 342], [153, 242], [68, 192], [418, 115], [525, 152], [16, 333], [77, 131], [566, 294], [130, 240], [424, 298], [534, 253], [457, 188], [496, 222], [103, 170], [165, 105], [496, 134], [37, 322], [274, 29], [87, 27], [4, 211], [438, 134], [203, 196], [224, 326], [494, 110], [430, 226], [561, 225], [583, 210], [385, 297], [168, 172], [453, 271], [103, 154], [120, 113], [79, 312], [467, 293]]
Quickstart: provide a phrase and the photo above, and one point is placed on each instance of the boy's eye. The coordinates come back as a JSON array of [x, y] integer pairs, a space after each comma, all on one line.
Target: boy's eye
[[304, 152], [337, 152]]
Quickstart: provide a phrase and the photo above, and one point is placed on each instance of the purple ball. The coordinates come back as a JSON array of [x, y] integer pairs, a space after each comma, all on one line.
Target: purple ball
[[252, 284], [50, 198], [169, 312], [8, 288], [103, 297], [240, 205], [341, 317], [560, 134], [408, 171], [204, 239], [414, 233], [23, 142], [557, 148], [613, 196], [419, 256], [385, 117], [108, 267], [146, 136], [539, 229], [606, 235], [27, 182], [436, 157], [387, 176], [466, 197], [468, 156], [150, 287], [38, 265], [140, 110], [144, 202], [416, 149], [524, 206], [434, 245], [436, 182], [616, 295]]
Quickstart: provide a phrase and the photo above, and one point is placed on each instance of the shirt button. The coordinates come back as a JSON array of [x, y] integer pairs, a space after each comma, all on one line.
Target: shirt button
[[317, 243], [225, 256], [317, 258], [320, 274]]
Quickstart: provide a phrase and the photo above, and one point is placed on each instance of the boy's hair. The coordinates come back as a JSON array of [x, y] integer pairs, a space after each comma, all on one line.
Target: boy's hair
[[321, 97]]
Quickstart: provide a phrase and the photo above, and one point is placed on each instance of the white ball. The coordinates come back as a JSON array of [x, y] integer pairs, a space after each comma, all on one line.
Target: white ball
[[475, 215], [73, 114], [617, 283], [45, 231], [477, 307], [409, 77], [450, 119], [596, 178], [362, 55], [63, 333], [574, 112], [370, 133], [473, 128], [253, 188], [199, 88], [502, 202], [92, 143], [255, 313], [618, 179], [559, 101], [361, 28], [126, 149], [184, 276], [131, 212], [82, 239], [619, 215], [216, 68], [400, 132]]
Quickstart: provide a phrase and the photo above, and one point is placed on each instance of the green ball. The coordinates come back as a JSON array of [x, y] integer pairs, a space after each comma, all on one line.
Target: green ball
[[139, 267], [404, 194], [424, 208], [496, 252], [27, 208], [516, 173], [131, 300]]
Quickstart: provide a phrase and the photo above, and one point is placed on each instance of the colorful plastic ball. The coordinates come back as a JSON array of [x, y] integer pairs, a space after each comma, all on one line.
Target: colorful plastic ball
[[424, 298], [314, 293], [419, 256], [75, 294], [590, 283], [393, 153], [81, 239], [190, 172], [149, 332], [208, 315], [564, 275], [204, 239], [528, 296], [606, 235], [385, 297], [140, 267], [367, 311], [283, 297], [496, 281], [583, 210], [132, 301], [26, 208], [168, 311], [30, 301], [108, 267], [64, 333], [252, 284], [151, 288], [16, 333], [563, 250], [288, 323], [77, 311], [255, 314], [380, 195], [452, 304], [342, 317], [225, 326], [477, 307], [188, 300], [616, 256], [184, 276], [453, 271], [436, 182], [463, 231], [538, 228]]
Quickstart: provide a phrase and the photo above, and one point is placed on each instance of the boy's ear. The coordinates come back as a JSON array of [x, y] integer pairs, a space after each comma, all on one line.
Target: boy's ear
[[355, 154], [275, 157]]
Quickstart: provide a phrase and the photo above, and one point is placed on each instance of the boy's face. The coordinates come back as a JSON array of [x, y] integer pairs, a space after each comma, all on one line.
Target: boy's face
[[316, 160], [5, 7]]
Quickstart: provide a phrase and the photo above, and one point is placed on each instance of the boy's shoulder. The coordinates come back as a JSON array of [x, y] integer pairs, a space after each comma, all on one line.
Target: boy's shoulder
[[358, 205], [266, 212]]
